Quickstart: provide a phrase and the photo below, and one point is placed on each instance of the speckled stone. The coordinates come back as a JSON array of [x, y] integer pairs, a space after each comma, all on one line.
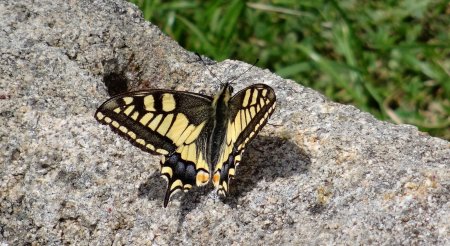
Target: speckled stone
[[319, 173]]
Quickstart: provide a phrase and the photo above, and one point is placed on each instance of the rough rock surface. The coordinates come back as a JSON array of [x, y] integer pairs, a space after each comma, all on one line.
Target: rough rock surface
[[319, 173]]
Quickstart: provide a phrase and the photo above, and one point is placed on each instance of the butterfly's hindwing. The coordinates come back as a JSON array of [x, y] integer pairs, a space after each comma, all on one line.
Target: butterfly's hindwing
[[249, 112], [180, 174]]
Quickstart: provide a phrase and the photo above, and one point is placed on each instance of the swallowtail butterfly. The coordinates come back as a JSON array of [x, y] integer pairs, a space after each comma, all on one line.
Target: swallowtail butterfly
[[201, 138]]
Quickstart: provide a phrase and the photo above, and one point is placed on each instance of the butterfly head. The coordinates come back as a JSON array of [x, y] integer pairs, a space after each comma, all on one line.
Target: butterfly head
[[227, 88], [224, 95]]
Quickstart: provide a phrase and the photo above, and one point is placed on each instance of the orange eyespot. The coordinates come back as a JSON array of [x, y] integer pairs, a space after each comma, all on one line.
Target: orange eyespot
[[216, 178], [202, 178]]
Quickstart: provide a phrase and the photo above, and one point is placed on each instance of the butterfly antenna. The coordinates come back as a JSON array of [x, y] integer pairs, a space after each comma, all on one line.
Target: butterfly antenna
[[206, 66], [244, 71]]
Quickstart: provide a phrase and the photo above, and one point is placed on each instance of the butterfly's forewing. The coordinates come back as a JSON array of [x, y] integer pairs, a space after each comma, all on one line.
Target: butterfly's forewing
[[169, 123], [249, 112]]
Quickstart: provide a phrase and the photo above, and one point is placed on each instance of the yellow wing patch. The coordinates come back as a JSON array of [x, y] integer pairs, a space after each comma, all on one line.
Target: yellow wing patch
[[179, 125], [155, 122], [246, 97], [146, 118], [127, 100], [128, 110], [149, 103], [168, 102], [165, 125]]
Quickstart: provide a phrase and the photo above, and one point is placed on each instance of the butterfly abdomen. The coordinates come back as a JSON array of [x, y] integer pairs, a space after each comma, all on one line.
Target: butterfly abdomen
[[221, 117]]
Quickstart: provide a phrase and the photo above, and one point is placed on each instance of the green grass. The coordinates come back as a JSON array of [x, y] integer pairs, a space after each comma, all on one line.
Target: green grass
[[389, 58]]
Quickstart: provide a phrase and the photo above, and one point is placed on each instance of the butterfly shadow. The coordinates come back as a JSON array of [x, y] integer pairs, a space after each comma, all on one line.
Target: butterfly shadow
[[266, 158], [154, 188]]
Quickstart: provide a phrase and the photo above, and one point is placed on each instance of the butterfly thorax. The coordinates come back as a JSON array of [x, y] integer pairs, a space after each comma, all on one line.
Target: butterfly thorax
[[220, 118]]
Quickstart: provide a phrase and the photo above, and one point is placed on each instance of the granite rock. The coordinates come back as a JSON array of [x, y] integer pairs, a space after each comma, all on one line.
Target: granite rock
[[319, 173]]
